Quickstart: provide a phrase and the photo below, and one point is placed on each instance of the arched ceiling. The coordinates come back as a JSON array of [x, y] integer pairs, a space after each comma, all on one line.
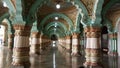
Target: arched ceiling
[[113, 14], [44, 12]]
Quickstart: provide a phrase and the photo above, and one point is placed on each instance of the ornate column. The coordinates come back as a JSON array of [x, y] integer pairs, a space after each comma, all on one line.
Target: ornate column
[[75, 44], [95, 46], [68, 43], [21, 45], [10, 41], [35, 43], [87, 46], [92, 46], [113, 44]]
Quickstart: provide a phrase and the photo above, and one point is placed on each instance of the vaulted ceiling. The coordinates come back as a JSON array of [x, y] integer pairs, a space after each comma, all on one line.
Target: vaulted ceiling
[[71, 14]]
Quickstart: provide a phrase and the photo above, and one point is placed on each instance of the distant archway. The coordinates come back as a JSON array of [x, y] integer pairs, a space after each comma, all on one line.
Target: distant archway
[[54, 37]]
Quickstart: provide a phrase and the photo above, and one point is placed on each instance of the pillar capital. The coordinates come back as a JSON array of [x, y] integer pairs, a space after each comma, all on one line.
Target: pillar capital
[[22, 27], [113, 35], [75, 35], [35, 34], [22, 30], [87, 29]]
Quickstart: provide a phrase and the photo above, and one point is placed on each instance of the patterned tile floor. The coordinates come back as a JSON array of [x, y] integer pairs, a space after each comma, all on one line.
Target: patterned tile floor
[[54, 59]]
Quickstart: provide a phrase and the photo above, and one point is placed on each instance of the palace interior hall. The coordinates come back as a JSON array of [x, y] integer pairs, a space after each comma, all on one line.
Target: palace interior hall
[[59, 33]]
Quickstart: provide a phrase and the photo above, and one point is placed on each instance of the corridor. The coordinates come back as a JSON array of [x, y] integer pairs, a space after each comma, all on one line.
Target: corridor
[[53, 58]]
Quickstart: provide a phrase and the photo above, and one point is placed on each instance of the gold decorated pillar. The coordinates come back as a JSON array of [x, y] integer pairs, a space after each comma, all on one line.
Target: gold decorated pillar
[[10, 41], [113, 44], [21, 45], [68, 43], [92, 46], [75, 44], [95, 46], [35, 43], [88, 46]]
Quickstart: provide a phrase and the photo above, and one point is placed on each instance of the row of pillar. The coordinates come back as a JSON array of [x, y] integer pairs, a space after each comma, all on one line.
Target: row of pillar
[[22, 45], [71, 44]]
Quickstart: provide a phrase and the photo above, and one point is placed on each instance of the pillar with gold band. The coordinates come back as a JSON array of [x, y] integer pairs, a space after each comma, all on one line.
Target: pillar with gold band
[[21, 45], [87, 46], [68, 43], [35, 43], [113, 44], [92, 46], [75, 44], [10, 41], [95, 46]]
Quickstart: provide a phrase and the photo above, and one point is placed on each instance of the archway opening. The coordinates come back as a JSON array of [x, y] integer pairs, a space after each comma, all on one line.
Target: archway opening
[[54, 39], [104, 39]]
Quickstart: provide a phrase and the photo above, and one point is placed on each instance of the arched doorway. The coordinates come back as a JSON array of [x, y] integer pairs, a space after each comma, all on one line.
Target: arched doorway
[[104, 39]]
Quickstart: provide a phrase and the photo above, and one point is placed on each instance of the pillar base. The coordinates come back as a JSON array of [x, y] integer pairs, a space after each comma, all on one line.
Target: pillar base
[[11, 48], [113, 53], [76, 54], [87, 64], [68, 50], [35, 53]]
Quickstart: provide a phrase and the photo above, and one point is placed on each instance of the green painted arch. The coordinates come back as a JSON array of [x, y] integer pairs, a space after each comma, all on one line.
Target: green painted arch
[[54, 28], [97, 9], [34, 27], [60, 15], [80, 5], [10, 6], [33, 10], [83, 13], [58, 27], [10, 26], [55, 23], [59, 32]]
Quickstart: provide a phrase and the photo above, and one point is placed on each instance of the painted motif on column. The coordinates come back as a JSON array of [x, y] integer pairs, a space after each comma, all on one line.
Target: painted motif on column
[[68, 43], [35, 42], [88, 46], [21, 45], [93, 46], [75, 44]]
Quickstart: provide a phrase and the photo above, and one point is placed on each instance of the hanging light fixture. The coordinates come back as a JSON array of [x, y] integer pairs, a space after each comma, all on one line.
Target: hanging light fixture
[[58, 5], [56, 18]]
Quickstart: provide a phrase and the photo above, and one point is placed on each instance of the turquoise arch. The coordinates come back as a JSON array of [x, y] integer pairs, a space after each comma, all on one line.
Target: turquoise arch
[[10, 26], [53, 26], [98, 12], [33, 10], [60, 15], [55, 23], [59, 32], [34, 27]]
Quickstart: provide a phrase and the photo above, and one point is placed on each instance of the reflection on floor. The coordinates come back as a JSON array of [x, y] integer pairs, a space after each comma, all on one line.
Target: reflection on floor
[[54, 59]]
